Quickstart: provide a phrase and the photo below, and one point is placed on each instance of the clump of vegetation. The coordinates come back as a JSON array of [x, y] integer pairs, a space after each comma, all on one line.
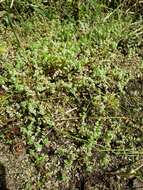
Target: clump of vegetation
[[71, 92]]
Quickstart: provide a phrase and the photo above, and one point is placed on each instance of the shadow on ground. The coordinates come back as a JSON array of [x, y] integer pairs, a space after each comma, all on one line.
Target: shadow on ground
[[2, 177]]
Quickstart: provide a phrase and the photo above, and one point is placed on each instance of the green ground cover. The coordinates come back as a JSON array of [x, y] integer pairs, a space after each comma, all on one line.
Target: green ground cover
[[71, 93]]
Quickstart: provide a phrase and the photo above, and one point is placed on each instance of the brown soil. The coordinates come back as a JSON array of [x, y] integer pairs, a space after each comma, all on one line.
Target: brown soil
[[15, 169]]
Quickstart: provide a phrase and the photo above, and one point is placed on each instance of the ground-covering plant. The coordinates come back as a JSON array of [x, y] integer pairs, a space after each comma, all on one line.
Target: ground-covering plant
[[71, 94]]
